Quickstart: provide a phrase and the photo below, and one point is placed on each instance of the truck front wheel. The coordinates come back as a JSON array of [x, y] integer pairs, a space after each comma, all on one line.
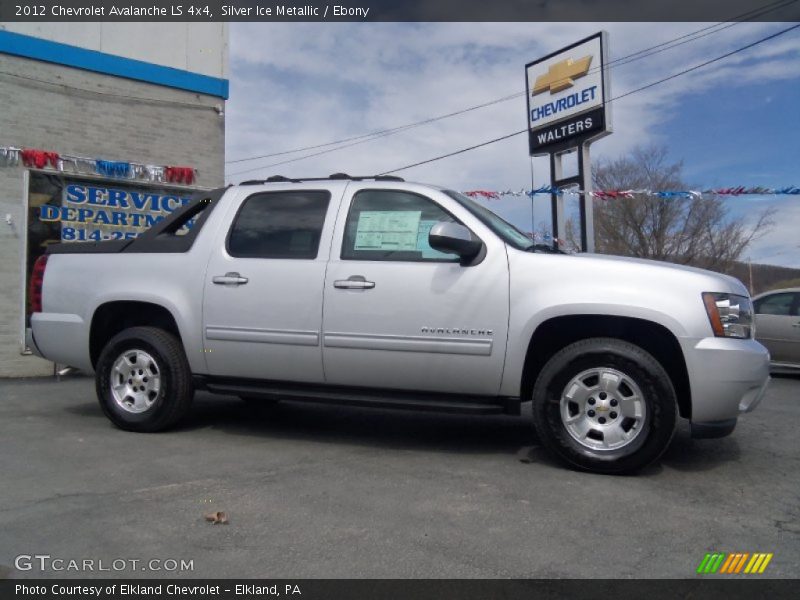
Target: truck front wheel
[[605, 405], [143, 380]]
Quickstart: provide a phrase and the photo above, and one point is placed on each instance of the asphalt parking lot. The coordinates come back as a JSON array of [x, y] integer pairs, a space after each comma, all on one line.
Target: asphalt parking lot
[[315, 491]]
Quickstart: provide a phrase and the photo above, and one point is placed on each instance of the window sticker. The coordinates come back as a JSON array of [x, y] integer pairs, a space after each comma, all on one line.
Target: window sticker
[[388, 230], [423, 245]]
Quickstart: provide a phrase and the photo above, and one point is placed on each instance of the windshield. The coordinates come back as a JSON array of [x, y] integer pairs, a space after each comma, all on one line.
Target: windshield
[[507, 232]]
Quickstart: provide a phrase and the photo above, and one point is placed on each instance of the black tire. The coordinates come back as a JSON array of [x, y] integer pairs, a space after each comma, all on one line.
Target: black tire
[[658, 423], [174, 397]]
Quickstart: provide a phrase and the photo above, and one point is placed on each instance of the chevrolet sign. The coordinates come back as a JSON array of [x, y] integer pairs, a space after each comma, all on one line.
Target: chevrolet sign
[[567, 93]]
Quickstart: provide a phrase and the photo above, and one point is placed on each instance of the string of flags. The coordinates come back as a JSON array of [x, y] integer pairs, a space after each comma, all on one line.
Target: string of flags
[[613, 194], [41, 159], [11, 156]]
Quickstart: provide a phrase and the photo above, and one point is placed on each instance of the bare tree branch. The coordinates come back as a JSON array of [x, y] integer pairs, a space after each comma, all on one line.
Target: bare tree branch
[[693, 231]]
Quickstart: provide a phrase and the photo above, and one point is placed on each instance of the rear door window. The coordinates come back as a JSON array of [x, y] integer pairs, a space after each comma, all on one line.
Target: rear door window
[[279, 225]]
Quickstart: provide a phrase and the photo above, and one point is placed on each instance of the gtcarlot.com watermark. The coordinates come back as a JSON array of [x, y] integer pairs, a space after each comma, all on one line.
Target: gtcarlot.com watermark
[[48, 563]]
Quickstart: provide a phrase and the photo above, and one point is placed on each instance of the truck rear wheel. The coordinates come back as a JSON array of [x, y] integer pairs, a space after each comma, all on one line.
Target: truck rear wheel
[[143, 380], [605, 405]]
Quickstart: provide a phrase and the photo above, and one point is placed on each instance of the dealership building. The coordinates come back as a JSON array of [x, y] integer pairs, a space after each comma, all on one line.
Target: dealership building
[[105, 129]]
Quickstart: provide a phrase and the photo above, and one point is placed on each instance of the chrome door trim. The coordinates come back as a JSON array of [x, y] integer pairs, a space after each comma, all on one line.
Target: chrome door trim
[[403, 343], [263, 336]]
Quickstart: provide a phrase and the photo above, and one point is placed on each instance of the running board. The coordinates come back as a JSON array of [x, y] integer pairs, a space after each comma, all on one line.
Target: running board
[[421, 401]]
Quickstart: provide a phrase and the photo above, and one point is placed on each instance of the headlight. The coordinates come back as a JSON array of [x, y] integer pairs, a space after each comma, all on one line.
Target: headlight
[[730, 315]]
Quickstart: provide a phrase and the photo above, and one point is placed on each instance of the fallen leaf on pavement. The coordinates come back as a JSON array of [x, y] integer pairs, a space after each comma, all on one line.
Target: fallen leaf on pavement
[[217, 518]]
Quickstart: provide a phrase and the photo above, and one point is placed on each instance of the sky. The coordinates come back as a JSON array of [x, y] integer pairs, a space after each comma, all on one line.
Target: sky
[[735, 122]]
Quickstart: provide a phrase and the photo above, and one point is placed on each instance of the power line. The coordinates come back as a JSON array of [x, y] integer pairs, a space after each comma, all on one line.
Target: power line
[[747, 16], [644, 53], [708, 62], [362, 139], [639, 89], [384, 132], [367, 137]]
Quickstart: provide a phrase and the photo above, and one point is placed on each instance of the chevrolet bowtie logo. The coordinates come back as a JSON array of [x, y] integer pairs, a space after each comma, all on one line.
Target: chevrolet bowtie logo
[[560, 76]]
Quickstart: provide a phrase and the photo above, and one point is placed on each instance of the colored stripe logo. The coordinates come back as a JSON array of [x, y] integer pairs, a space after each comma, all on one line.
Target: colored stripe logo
[[734, 563]]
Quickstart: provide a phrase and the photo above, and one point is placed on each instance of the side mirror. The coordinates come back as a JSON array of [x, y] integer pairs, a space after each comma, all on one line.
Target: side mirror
[[454, 238]]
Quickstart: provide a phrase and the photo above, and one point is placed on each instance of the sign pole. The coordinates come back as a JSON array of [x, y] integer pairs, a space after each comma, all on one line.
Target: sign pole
[[556, 200], [582, 179], [586, 203]]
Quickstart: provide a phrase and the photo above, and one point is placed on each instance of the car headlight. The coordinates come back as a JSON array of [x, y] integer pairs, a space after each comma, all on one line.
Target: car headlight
[[730, 315]]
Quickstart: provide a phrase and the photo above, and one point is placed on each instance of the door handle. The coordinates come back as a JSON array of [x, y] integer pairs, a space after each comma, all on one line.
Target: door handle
[[354, 282], [231, 278]]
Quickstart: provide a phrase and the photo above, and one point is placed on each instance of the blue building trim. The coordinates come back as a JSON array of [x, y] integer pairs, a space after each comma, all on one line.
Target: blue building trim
[[100, 62]]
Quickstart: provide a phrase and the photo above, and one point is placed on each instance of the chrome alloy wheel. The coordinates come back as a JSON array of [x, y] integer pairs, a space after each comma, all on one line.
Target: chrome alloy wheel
[[135, 381], [603, 409]]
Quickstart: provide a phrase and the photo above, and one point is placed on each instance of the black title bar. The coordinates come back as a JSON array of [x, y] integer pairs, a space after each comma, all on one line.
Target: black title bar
[[396, 589], [399, 10]]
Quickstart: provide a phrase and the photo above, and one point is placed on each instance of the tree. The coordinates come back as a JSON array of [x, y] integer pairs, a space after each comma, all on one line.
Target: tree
[[694, 231]]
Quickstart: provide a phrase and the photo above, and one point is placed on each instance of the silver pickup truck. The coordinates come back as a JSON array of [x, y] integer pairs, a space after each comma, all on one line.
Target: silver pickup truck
[[378, 292]]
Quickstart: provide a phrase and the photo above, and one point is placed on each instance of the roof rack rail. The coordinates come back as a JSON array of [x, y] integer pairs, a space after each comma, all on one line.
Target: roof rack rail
[[333, 177], [363, 177]]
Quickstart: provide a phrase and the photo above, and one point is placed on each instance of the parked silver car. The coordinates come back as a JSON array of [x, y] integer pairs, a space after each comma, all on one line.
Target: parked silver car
[[778, 326]]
